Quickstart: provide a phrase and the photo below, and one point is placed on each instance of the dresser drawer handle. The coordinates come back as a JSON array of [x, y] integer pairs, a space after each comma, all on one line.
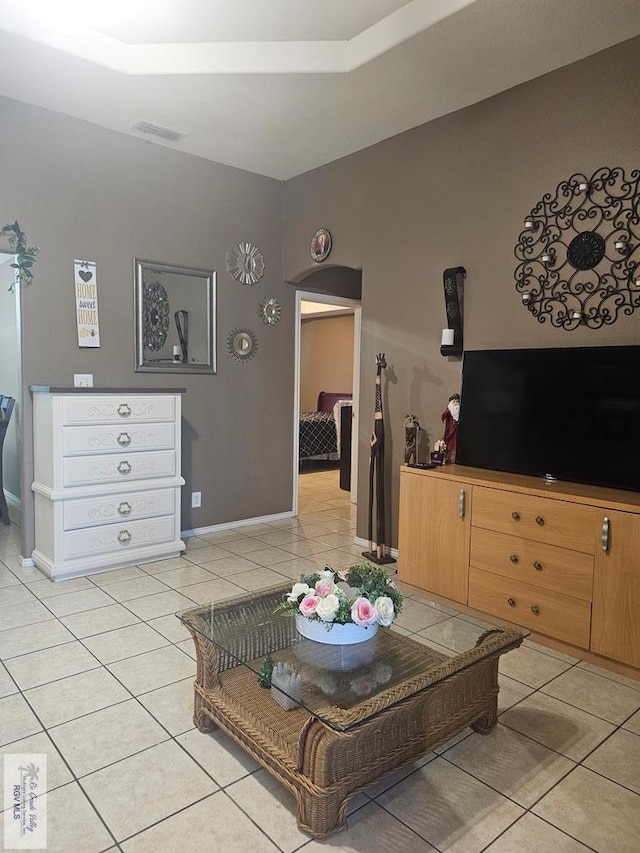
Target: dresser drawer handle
[[604, 535], [124, 508], [124, 467], [514, 558], [537, 566], [511, 602], [535, 609], [124, 439], [515, 516], [461, 498], [124, 537], [124, 410], [539, 520]]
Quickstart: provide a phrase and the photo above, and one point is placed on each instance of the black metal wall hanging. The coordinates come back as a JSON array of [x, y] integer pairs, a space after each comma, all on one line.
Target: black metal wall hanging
[[453, 283], [579, 251]]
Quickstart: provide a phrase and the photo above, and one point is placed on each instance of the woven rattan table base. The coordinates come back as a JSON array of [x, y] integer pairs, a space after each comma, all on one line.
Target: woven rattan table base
[[324, 767]]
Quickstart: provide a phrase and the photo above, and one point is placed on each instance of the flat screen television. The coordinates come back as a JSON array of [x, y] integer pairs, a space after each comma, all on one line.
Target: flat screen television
[[571, 413]]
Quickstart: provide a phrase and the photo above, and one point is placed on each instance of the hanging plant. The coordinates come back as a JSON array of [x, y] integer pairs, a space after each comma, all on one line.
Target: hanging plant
[[25, 255]]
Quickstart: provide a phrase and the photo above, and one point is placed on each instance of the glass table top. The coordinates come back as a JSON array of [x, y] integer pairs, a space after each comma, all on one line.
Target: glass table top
[[339, 684]]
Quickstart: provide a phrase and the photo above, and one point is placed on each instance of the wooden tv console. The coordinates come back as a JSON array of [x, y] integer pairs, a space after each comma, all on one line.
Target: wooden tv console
[[562, 559]]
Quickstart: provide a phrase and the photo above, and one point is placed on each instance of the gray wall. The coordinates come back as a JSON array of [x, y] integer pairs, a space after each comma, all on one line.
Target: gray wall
[[80, 191], [10, 374], [455, 192]]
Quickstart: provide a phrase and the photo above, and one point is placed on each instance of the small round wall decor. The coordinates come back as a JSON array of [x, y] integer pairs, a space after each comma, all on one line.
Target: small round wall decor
[[320, 245], [269, 311], [245, 262], [155, 319], [242, 344]]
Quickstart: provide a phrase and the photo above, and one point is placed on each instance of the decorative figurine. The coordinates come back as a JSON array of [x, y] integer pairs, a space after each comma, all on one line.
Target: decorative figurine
[[376, 477], [450, 418], [411, 439], [438, 453]]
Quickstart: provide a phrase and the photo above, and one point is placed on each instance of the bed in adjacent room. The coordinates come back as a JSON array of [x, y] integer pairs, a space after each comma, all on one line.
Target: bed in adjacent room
[[320, 430]]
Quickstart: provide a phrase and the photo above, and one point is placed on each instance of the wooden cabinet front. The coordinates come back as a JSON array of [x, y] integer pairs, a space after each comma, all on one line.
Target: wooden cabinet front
[[433, 536], [616, 589]]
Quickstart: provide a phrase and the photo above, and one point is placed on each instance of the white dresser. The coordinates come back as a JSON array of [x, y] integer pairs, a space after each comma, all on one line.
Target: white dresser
[[106, 478]]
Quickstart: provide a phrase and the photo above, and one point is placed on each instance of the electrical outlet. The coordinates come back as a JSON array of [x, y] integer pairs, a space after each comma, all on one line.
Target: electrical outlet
[[83, 380], [196, 500]]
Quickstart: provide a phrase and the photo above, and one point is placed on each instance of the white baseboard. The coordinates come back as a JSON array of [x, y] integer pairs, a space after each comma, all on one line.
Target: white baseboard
[[364, 543], [243, 522]]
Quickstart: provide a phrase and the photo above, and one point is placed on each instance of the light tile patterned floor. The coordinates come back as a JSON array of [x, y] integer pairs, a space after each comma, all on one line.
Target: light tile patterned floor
[[98, 673]]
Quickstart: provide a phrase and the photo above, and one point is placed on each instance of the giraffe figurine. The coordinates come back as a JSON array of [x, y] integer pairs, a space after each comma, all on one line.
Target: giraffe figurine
[[376, 477]]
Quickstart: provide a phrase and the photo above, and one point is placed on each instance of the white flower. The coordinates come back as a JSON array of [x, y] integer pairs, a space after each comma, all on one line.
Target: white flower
[[297, 590], [327, 574], [328, 607], [386, 610]]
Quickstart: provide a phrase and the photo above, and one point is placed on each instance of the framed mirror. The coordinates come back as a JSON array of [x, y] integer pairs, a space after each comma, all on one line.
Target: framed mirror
[[175, 318]]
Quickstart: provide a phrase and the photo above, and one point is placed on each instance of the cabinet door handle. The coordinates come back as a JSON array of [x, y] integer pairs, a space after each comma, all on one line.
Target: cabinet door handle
[[461, 503], [514, 558], [537, 566], [604, 537], [124, 508], [124, 439], [124, 467], [539, 520], [124, 537], [511, 602], [515, 516], [124, 410], [535, 609]]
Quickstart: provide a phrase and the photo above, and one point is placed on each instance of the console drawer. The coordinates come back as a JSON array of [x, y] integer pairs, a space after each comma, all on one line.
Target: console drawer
[[560, 523], [542, 565], [560, 616]]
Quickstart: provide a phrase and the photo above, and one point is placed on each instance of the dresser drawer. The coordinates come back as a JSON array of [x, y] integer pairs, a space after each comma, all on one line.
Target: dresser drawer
[[123, 467], [126, 506], [127, 437], [117, 408], [550, 613], [555, 522], [118, 538], [556, 569]]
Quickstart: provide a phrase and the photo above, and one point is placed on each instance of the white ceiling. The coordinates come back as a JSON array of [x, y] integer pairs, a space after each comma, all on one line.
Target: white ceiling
[[282, 87]]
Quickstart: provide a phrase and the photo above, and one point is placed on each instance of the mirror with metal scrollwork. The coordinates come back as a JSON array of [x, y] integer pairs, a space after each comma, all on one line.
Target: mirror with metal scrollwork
[[175, 318]]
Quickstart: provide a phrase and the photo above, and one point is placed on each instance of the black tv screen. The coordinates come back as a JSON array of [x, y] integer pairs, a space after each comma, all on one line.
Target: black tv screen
[[568, 413]]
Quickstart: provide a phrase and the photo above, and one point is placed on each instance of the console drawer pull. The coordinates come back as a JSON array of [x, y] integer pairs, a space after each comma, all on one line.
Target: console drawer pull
[[511, 602], [513, 558], [539, 520], [461, 503], [124, 410], [515, 516], [124, 508], [537, 566], [535, 609], [124, 537], [124, 439], [604, 538], [124, 467]]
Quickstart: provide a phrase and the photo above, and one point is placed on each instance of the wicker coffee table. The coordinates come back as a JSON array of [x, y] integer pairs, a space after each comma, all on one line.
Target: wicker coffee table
[[362, 711]]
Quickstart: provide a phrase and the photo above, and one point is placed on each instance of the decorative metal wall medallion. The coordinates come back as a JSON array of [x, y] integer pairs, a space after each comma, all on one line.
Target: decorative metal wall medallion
[[579, 252], [269, 311], [320, 245], [242, 344], [155, 317], [245, 263]]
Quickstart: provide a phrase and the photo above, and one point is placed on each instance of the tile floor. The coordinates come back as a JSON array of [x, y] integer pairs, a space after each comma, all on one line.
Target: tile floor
[[97, 673]]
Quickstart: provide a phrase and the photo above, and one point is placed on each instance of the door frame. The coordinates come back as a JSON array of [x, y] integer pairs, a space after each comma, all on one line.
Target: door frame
[[17, 418], [309, 296]]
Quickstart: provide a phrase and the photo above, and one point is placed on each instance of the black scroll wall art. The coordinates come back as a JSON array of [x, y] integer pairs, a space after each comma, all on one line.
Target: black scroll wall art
[[579, 251]]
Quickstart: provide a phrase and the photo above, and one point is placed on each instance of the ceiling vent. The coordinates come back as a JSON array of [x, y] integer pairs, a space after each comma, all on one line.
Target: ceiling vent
[[155, 130]]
